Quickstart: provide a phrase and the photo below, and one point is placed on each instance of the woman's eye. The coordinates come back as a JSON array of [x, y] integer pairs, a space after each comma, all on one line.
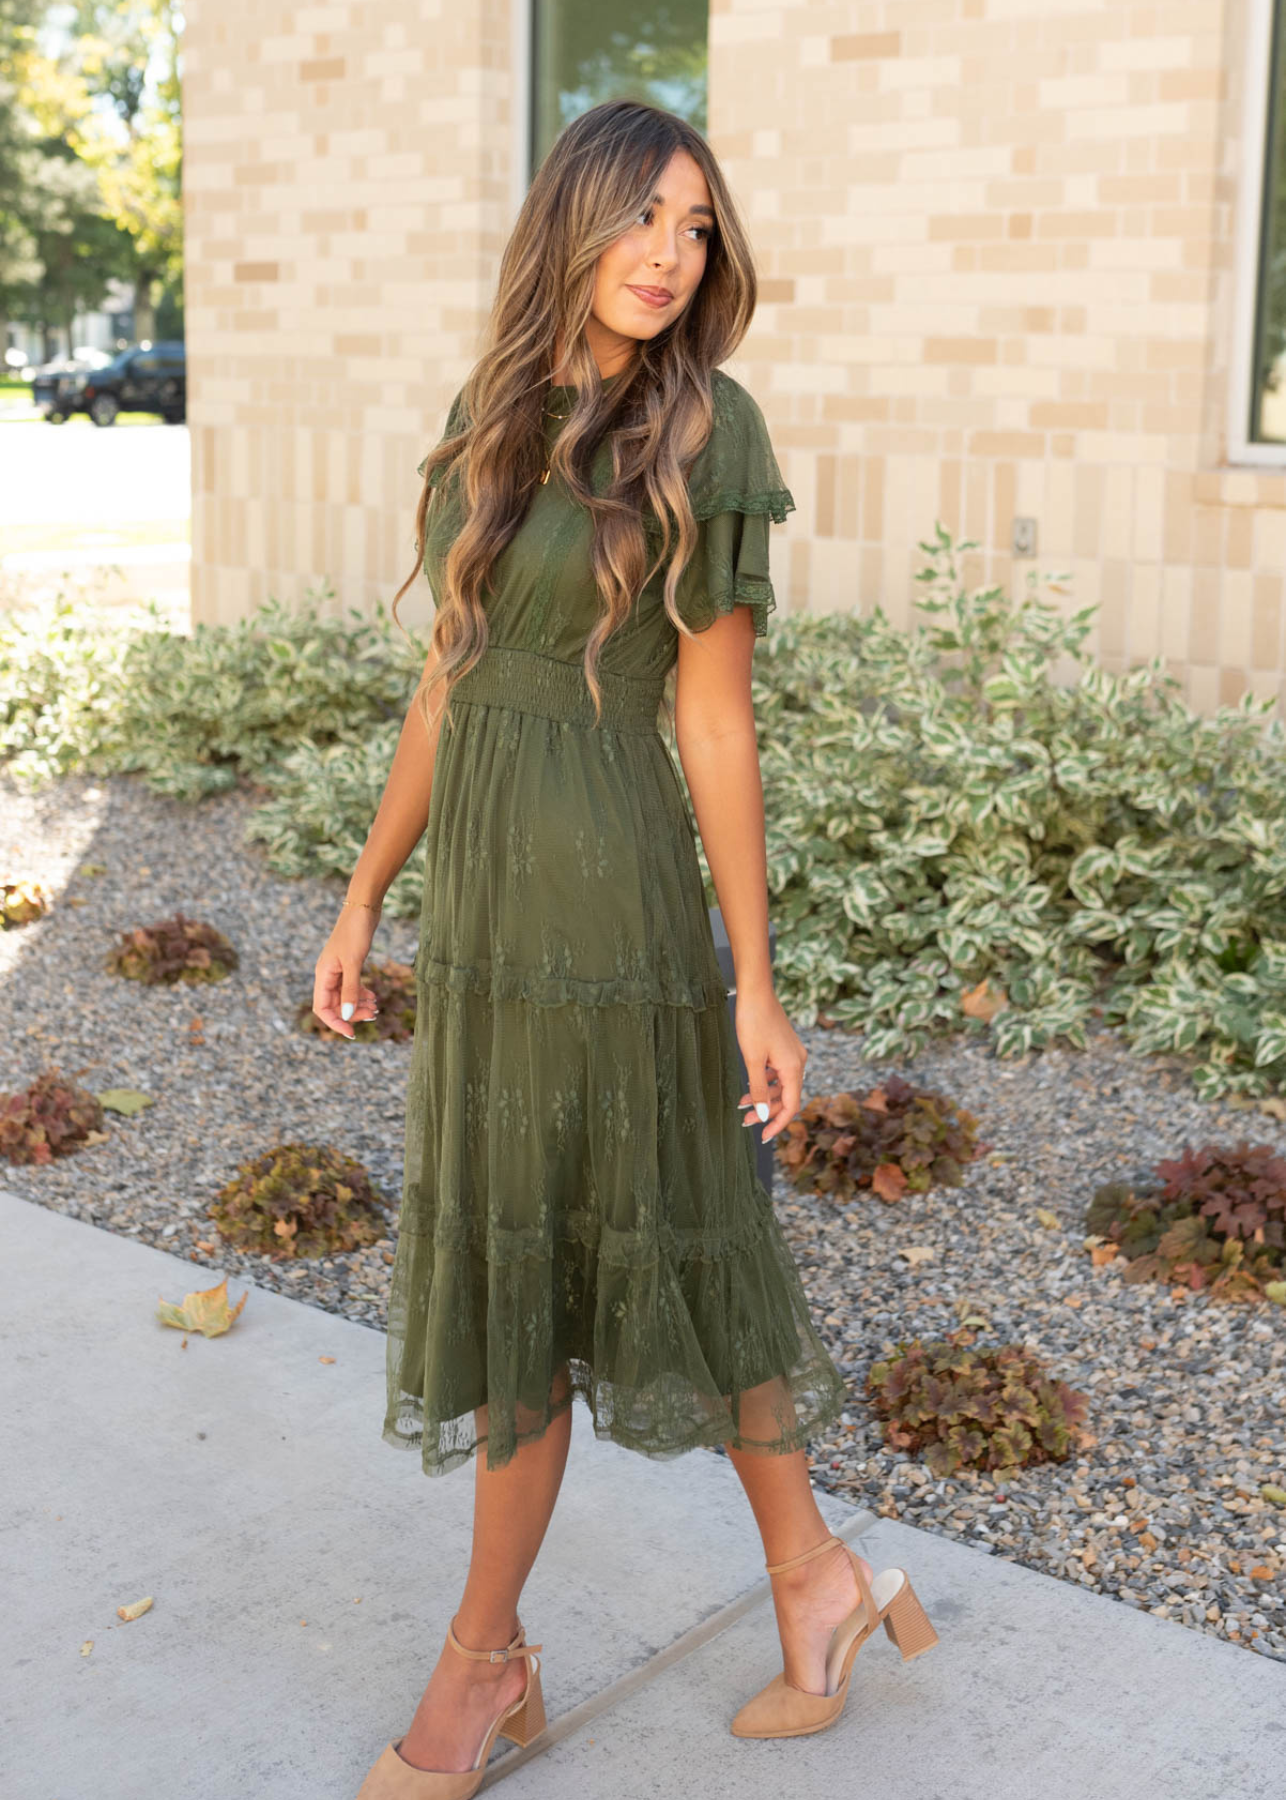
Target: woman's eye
[[703, 231]]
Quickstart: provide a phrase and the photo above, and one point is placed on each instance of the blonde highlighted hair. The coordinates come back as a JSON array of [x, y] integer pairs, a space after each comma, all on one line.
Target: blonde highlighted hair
[[596, 180]]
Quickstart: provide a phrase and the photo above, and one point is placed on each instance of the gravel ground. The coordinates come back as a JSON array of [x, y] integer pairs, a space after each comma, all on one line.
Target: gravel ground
[[1163, 1512]]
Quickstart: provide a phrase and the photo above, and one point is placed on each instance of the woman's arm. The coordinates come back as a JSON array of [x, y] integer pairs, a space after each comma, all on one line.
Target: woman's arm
[[399, 823], [403, 811], [715, 730]]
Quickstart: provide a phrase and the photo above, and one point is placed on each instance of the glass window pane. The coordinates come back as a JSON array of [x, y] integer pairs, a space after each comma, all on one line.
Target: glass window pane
[[1268, 398], [585, 51]]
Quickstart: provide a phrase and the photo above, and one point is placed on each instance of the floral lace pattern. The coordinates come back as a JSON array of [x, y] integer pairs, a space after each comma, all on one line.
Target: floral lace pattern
[[581, 1210]]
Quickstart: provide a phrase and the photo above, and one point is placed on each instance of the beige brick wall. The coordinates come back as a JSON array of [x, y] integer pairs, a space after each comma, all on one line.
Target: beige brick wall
[[347, 178], [996, 240]]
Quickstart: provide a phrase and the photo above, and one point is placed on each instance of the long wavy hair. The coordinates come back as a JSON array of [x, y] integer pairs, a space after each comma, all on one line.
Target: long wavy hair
[[597, 178]]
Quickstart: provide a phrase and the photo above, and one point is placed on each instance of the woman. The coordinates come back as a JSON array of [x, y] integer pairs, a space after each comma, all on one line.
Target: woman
[[581, 1212]]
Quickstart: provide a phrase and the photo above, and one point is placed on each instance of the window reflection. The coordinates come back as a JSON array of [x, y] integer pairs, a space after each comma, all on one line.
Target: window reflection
[[585, 51]]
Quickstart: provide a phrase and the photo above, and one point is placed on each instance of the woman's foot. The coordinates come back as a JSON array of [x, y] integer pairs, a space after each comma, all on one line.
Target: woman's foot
[[811, 1600], [458, 1707]]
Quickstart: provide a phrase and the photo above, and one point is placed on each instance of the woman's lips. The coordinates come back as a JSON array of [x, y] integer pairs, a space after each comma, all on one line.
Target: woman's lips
[[650, 298]]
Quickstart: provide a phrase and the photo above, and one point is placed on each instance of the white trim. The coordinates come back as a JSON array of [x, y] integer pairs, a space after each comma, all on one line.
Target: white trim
[[1242, 450], [520, 41]]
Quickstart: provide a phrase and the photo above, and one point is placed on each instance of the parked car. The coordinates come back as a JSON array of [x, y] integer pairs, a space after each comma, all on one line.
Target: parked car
[[54, 381], [151, 378]]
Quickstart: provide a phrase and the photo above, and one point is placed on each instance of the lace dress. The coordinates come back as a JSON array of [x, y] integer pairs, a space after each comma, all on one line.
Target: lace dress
[[578, 1185]]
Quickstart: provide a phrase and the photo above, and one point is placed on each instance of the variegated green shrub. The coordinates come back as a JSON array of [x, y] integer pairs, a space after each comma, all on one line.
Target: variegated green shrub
[[948, 814]]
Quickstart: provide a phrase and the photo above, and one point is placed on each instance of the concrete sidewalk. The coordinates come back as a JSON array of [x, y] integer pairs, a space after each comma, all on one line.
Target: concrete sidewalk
[[303, 1573]]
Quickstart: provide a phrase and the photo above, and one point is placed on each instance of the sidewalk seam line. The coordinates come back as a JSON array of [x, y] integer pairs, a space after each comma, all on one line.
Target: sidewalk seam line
[[695, 1638]]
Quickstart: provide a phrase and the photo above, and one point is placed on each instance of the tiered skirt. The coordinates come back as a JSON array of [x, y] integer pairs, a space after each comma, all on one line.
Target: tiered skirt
[[581, 1211]]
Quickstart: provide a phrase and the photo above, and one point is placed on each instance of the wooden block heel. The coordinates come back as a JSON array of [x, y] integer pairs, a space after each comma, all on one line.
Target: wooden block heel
[[783, 1710], [529, 1720], [907, 1623]]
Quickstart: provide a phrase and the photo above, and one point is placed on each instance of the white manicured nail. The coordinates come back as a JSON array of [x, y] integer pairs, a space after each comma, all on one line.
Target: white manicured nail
[[761, 1107], [347, 1010]]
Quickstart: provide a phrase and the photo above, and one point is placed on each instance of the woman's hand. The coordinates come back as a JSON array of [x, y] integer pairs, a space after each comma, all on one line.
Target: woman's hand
[[775, 1059], [337, 975]]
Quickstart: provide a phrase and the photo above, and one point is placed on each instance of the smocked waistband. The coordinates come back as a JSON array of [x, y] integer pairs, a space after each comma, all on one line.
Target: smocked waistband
[[525, 681]]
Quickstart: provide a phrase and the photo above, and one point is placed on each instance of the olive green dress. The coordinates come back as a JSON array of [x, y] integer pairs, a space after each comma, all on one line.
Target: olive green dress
[[579, 1187]]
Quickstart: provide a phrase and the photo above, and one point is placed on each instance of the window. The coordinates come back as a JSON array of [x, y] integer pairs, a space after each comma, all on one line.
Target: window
[[585, 51], [1257, 424]]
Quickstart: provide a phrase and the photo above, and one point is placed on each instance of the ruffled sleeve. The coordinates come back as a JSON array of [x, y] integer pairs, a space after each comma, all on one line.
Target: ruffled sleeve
[[456, 420], [737, 491]]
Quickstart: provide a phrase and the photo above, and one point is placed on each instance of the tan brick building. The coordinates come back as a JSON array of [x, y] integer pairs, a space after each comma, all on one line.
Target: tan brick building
[[1017, 263]]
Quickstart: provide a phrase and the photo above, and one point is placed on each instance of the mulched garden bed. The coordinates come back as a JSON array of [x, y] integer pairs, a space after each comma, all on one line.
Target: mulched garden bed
[[1187, 1396]]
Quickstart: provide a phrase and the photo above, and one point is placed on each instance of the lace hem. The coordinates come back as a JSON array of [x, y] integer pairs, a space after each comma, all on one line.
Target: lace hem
[[445, 1445], [746, 590], [583, 1228], [668, 1356], [502, 982], [775, 503]]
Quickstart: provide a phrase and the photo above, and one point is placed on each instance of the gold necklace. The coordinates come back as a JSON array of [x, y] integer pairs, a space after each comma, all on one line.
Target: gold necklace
[[551, 415]]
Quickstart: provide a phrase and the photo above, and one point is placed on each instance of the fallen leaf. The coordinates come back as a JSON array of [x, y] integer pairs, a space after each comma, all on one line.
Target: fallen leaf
[[982, 1003], [1102, 1254], [205, 1311], [1261, 1572], [1048, 1219], [87, 1646], [124, 1100], [326, 1359], [135, 1609], [1276, 1495], [888, 1181], [916, 1254], [1276, 1109], [97, 1137], [876, 1101]]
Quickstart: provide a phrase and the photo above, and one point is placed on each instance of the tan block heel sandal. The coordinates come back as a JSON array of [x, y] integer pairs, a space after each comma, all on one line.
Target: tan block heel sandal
[[783, 1710], [390, 1778]]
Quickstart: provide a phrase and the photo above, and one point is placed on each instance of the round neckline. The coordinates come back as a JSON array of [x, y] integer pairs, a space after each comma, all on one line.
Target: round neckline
[[562, 390]]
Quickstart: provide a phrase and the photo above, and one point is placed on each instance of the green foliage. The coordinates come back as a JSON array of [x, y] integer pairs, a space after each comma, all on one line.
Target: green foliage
[[988, 1409], [193, 713], [943, 813], [959, 837], [299, 1200], [21, 902], [304, 705], [393, 985], [893, 1138], [1214, 1219], [52, 1117], [172, 950]]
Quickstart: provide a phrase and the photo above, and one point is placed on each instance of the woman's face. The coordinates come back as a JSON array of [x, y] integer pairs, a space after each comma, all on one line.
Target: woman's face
[[665, 249]]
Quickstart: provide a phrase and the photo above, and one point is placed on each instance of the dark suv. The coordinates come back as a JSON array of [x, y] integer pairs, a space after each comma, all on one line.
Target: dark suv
[[154, 380]]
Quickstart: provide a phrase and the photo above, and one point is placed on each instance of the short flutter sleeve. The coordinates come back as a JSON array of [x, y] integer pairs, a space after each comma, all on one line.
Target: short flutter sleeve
[[737, 491], [456, 420]]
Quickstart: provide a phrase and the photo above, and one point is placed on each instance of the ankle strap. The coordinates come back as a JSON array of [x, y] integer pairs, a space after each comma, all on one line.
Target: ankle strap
[[805, 1556], [511, 1650]]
